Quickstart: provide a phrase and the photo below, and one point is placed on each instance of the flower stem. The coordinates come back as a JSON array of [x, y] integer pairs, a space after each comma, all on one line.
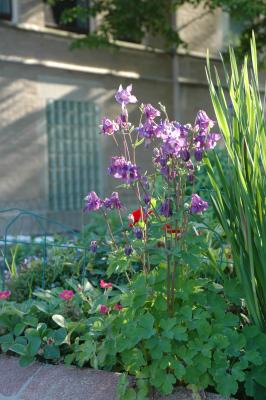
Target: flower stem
[[110, 230]]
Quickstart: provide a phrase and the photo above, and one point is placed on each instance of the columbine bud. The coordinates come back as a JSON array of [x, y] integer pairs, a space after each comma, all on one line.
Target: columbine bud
[[128, 250], [93, 246], [138, 233], [198, 155], [185, 154]]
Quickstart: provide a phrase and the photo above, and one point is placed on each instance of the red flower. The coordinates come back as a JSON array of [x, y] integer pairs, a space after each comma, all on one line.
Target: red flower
[[103, 309], [118, 307], [168, 229], [105, 285], [135, 217]]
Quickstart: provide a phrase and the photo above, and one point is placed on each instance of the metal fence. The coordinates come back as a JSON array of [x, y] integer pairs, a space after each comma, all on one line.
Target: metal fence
[[10, 217]]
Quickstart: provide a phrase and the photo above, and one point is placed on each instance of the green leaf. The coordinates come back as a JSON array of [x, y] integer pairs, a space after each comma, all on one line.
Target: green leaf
[[18, 348], [138, 143], [130, 394], [51, 352], [19, 328], [9, 338], [24, 361], [68, 360], [167, 324], [59, 320], [133, 360], [86, 350], [168, 382], [33, 346], [21, 340], [59, 336], [30, 320], [180, 333], [179, 369], [226, 384]]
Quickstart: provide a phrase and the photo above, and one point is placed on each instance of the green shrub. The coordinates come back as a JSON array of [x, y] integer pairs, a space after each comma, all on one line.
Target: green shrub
[[203, 343]]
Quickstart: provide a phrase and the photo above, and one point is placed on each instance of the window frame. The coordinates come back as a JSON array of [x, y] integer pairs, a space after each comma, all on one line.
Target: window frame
[[7, 16], [74, 28]]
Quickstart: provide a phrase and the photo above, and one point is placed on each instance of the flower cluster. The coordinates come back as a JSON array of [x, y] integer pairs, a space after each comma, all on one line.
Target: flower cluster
[[113, 202], [102, 308], [94, 203], [180, 149], [120, 168]]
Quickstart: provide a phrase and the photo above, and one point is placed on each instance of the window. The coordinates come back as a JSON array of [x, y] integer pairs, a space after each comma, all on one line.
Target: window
[[6, 9], [73, 148], [54, 14]]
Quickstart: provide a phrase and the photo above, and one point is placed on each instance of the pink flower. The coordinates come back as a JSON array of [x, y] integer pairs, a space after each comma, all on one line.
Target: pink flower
[[103, 309], [66, 295], [5, 294], [118, 307], [105, 285]]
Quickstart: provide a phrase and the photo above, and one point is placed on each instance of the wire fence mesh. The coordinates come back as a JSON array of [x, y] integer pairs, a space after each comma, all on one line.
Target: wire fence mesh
[[40, 244]]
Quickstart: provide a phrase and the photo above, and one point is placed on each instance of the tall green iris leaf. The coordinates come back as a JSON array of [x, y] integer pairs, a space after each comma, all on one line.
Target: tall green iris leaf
[[241, 204]]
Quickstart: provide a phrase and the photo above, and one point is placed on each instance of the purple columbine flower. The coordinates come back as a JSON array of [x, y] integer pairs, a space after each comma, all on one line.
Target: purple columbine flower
[[113, 202], [166, 208], [122, 120], [203, 122], [122, 169], [151, 112], [175, 140], [198, 154], [212, 140], [108, 127], [93, 246], [198, 205], [138, 233], [190, 169], [185, 155], [148, 130], [124, 96], [146, 198], [93, 202], [206, 142], [128, 250]]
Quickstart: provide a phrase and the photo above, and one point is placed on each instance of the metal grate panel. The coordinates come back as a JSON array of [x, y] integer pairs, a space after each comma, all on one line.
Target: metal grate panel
[[73, 147]]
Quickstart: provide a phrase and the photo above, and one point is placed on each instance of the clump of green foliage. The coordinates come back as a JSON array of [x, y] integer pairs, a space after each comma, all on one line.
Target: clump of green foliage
[[202, 343], [240, 206]]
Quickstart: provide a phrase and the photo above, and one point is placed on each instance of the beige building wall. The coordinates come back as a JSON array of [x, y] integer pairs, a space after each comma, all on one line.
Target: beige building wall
[[36, 65]]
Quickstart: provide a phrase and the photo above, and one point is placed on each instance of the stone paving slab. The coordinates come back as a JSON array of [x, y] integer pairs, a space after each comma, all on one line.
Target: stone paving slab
[[59, 382]]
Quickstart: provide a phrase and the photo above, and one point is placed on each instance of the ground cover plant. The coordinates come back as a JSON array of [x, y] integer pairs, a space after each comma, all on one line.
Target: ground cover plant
[[165, 310]]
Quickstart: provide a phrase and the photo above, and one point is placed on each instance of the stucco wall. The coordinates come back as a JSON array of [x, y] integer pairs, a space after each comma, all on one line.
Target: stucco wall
[[37, 65]]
